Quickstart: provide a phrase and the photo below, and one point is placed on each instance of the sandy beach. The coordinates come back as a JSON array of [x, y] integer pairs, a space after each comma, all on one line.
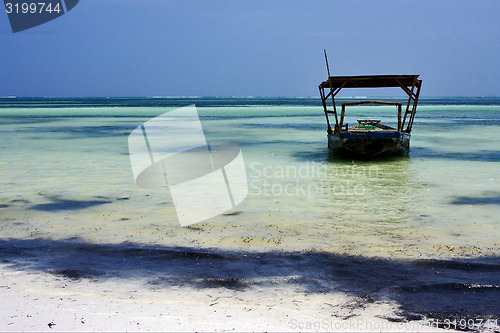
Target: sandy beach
[[74, 286], [43, 302]]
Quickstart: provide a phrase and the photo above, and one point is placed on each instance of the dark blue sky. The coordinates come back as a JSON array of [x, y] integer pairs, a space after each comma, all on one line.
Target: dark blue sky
[[252, 48]]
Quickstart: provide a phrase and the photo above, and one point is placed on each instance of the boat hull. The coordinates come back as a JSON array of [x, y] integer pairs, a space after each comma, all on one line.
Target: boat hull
[[369, 144]]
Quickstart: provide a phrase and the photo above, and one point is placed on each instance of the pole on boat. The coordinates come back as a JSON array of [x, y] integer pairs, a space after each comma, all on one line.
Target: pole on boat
[[333, 100], [327, 67]]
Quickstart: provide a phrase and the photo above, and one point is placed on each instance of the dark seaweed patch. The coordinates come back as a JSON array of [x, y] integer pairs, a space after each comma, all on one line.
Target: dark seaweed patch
[[231, 283], [16, 201], [67, 204], [233, 213], [485, 199], [76, 274]]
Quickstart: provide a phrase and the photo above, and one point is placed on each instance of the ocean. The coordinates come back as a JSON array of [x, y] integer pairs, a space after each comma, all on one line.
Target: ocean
[[421, 230]]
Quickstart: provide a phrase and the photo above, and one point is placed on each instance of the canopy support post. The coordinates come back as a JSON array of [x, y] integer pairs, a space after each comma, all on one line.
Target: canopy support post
[[412, 102]]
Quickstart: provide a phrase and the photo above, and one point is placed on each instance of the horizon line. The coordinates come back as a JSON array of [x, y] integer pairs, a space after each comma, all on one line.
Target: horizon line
[[226, 97]]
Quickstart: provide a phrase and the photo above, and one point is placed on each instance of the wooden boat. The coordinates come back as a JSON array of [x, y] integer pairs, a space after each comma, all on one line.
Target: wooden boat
[[369, 138]]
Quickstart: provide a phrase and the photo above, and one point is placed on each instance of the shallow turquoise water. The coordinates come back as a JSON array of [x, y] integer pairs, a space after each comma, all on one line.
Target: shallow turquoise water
[[66, 173]]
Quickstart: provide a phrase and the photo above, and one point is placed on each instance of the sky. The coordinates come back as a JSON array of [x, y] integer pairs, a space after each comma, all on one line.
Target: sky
[[125, 48]]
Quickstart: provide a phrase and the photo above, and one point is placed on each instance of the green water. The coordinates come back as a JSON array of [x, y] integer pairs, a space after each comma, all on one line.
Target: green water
[[66, 174]]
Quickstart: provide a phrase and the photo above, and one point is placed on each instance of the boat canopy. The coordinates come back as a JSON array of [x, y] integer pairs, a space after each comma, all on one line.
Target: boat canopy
[[409, 83], [369, 81]]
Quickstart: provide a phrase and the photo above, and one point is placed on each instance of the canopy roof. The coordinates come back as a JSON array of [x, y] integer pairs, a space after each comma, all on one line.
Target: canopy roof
[[409, 83], [369, 81]]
